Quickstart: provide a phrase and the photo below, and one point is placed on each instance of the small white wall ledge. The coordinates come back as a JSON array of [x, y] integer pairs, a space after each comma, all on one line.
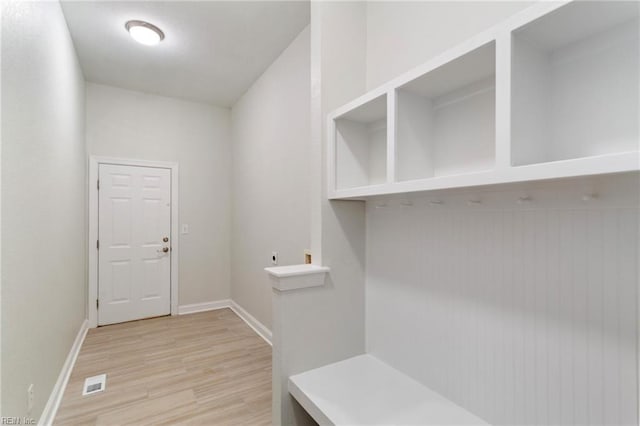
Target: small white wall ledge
[[293, 277]]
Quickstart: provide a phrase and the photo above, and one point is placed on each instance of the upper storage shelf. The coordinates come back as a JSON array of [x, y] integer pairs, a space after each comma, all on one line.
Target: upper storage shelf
[[446, 118], [575, 83], [361, 145], [550, 93]]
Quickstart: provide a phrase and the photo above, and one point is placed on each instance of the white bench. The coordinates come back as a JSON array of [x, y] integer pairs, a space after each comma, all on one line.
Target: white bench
[[365, 391]]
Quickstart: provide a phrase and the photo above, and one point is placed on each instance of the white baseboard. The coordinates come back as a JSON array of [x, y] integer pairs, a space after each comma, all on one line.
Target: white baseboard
[[50, 410], [251, 321], [256, 325], [203, 307]]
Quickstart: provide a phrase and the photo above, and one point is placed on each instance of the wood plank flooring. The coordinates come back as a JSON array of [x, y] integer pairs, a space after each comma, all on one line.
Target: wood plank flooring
[[207, 368]]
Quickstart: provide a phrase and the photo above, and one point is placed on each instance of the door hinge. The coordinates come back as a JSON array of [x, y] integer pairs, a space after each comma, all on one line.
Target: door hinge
[[98, 244], [97, 303], [98, 184]]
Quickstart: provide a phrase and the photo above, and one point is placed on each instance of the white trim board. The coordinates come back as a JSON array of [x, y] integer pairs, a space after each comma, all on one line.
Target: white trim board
[[194, 308], [260, 329], [94, 163], [252, 322], [51, 409]]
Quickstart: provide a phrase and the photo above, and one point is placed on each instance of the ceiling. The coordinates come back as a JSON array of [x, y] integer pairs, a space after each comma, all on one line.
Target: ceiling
[[212, 52]]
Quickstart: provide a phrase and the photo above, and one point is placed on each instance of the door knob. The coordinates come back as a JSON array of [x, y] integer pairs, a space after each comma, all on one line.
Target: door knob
[[165, 249], [165, 239]]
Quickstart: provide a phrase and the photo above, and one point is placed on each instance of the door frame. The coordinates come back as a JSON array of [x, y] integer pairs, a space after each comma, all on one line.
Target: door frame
[[94, 166]]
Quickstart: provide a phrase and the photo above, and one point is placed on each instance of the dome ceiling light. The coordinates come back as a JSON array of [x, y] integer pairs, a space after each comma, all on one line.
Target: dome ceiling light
[[144, 32]]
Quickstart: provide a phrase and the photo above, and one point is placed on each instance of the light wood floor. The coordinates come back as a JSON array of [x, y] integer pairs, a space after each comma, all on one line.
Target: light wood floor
[[208, 368]]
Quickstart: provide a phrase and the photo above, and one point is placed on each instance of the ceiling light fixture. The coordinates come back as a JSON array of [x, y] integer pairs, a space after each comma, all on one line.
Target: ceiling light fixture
[[144, 32]]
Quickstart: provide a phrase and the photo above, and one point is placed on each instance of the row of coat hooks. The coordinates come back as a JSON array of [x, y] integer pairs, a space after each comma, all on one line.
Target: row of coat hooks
[[522, 200]]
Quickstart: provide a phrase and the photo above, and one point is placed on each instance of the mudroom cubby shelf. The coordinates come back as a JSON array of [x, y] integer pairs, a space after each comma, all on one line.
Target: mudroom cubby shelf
[[361, 144], [550, 93], [575, 83], [446, 118]]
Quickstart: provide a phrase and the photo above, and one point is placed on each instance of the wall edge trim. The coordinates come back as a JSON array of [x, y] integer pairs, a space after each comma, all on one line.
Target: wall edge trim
[[55, 398], [252, 322], [213, 305]]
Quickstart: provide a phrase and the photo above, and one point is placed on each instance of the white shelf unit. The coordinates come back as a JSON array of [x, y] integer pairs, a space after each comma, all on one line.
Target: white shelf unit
[[446, 118], [575, 83], [361, 145], [551, 93]]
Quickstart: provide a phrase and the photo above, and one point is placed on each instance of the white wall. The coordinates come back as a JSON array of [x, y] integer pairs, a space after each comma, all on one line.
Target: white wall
[[523, 314], [405, 34], [43, 201], [270, 151], [128, 124]]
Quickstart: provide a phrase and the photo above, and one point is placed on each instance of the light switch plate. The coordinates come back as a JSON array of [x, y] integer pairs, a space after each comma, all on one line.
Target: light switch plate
[[185, 228]]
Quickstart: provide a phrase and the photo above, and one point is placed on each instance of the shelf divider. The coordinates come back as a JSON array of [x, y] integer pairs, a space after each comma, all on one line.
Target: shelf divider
[[503, 102], [392, 119]]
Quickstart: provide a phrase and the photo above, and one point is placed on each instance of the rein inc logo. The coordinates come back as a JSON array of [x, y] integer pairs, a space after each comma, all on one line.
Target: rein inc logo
[[17, 421]]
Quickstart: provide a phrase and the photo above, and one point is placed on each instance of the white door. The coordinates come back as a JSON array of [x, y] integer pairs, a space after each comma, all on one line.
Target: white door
[[134, 231]]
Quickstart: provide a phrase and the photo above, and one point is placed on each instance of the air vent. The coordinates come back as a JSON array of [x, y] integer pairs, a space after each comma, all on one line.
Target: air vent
[[94, 384]]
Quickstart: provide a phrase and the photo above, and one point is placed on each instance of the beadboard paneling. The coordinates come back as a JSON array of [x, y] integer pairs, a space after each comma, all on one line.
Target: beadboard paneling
[[521, 313]]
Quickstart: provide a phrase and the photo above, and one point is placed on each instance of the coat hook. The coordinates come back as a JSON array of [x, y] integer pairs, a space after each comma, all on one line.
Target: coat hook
[[406, 203], [435, 202], [381, 206], [589, 196], [474, 202], [524, 200]]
